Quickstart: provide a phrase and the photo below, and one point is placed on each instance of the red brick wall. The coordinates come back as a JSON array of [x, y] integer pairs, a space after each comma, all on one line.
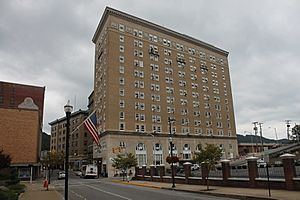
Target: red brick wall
[[19, 134], [13, 94]]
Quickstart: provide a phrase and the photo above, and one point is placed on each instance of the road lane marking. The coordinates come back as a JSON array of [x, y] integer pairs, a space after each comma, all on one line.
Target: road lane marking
[[113, 194], [78, 195]]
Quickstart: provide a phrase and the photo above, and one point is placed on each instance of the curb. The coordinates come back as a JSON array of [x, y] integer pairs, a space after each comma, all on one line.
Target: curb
[[234, 196], [138, 184]]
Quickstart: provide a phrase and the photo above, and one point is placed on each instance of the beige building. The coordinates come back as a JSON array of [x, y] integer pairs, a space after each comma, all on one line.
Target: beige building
[[80, 142], [145, 74]]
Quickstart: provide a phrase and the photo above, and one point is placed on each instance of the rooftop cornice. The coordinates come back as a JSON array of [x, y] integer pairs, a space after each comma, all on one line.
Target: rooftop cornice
[[85, 112], [110, 11]]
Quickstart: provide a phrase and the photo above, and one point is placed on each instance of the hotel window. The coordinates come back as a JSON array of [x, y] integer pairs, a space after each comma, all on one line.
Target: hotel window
[[139, 117], [121, 27], [167, 42], [183, 102], [182, 83], [207, 114], [156, 128], [121, 115], [216, 90], [196, 113], [140, 128], [219, 125], [204, 79], [170, 90], [139, 84], [185, 130], [155, 108], [170, 110], [197, 122], [138, 63], [122, 92], [167, 52], [217, 99], [154, 87], [139, 95], [122, 104], [168, 61], [121, 48], [208, 123], [141, 154], [195, 94], [168, 70], [184, 111], [181, 74], [220, 132], [202, 55], [140, 34], [193, 77], [139, 106], [169, 80], [196, 104], [206, 97], [155, 97], [154, 77], [170, 100], [198, 131], [209, 132], [121, 59], [185, 121], [122, 126], [154, 67], [121, 69], [218, 107], [214, 74], [218, 116], [182, 92], [121, 80], [121, 38], [193, 68]]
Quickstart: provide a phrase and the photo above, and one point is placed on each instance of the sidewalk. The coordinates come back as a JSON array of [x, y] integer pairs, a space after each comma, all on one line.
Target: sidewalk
[[35, 190], [239, 193]]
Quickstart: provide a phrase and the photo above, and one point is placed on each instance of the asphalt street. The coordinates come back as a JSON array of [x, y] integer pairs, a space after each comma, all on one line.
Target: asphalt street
[[105, 189]]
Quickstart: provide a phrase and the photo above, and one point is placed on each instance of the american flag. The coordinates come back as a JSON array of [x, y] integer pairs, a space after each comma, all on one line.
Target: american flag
[[91, 125]]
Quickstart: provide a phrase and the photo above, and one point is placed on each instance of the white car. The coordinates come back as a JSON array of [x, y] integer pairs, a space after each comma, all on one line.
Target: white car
[[261, 163], [195, 167], [61, 175]]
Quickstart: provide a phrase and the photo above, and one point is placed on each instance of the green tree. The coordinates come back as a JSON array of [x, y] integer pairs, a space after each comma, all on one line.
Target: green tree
[[124, 162], [54, 159], [208, 157], [296, 133]]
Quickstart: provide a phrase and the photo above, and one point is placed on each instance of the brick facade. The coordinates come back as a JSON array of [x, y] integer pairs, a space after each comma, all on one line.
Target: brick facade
[[19, 130]]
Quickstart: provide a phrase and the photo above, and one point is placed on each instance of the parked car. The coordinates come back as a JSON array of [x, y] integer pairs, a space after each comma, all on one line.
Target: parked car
[[61, 175], [261, 163], [195, 167]]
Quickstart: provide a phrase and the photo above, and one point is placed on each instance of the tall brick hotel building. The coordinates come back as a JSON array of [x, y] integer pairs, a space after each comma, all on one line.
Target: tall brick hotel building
[[21, 118], [146, 73]]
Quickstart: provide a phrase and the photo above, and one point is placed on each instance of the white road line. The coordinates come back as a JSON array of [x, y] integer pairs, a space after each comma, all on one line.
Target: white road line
[[113, 194]]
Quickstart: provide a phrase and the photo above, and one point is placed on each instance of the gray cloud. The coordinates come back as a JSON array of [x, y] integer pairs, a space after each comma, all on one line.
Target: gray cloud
[[48, 43]]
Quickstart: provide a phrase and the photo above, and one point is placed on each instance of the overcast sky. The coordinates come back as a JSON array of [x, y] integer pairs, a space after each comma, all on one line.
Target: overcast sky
[[48, 43]]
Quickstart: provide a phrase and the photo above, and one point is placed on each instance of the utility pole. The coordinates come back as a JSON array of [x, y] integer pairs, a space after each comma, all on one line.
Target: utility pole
[[288, 125], [255, 131], [261, 138]]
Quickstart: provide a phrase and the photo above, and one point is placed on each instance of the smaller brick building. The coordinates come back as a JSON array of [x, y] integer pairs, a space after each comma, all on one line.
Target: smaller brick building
[[21, 117]]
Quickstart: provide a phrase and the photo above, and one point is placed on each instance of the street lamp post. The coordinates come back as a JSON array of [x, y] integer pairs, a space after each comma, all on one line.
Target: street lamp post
[[153, 147], [171, 149], [68, 110]]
